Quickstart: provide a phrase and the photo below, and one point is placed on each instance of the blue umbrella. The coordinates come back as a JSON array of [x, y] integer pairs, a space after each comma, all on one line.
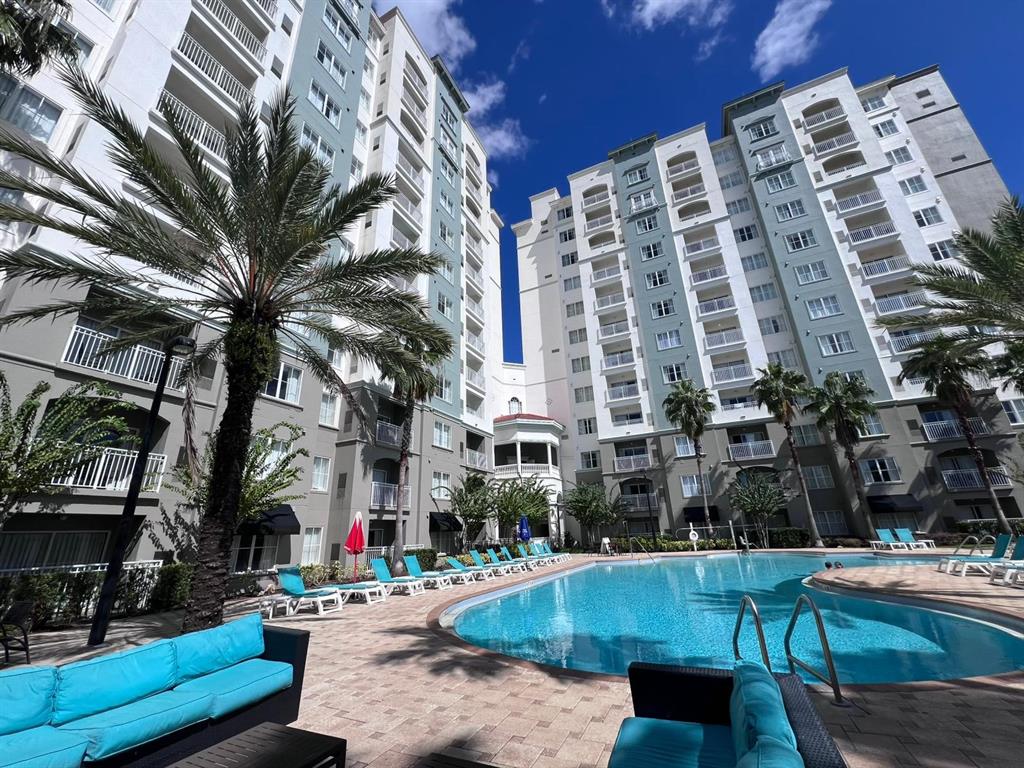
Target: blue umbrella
[[524, 529]]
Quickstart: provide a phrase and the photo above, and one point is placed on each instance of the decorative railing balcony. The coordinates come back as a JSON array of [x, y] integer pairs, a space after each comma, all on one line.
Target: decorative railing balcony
[[900, 302], [473, 249], [874, 232], [524, 470], [605, 274], [236, 28], [195, 127], [389, 434], [400, 240], [970, 479], [642, 205], [89, 348], [476, 379], [613, 329], [937, 431], [707, 275], [601, 221], [864, 199], [723, 338], [475, 275], [772, 158], [640, 502], [617, 360], [385, 495], [887, 266], [901, 341], [760, 449], [716, 305], [694, 190], [631, 463], [730, 373], [414, 175], [623, 392], [594, 199], [611, 300], [474, 342], [270, 6], [418, 87], [476, 459], [409, 207], [681, 168], [475, 307], [701, 246], [228, 84], [112, 470], [820, 118], [835, 143]]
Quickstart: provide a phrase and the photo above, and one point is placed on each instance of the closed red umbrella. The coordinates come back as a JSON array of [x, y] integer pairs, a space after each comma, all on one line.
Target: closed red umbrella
[[355, 544]]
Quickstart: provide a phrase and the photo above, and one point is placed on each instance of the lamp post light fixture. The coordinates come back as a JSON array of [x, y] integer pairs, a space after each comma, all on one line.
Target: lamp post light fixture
[[180, 345]]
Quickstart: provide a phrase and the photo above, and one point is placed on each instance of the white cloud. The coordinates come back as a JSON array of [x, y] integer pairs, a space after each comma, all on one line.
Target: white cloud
[[607, 8], [543, 97], [789, 39], [483, 97], [504, 138], [698, 14], [492, 177], [521, 53], [439, 28]]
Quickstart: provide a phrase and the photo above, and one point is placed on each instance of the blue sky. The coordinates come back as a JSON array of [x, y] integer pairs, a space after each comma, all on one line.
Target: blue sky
[[556, 84]]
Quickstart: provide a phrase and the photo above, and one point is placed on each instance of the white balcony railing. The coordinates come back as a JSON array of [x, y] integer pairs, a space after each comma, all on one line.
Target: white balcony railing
[[694, 190], [848, 167], [642, 204], [771, 158], [835, 143], [475, 307], [195, 127], [474, 342], [886, 266], [901, 302], [936, 431], [594, 199], [409, 207], [631, 463], [613, 329], [236, 28], [476, 379], [230, 85], [477, 459], [112, 470], [524, 470], [473, 249], [875, 231], [605, 274], [401, 240], [820, 118], [680, 168], [901, 341], [852, 203], [611, 300], [723, 338], [728, 373], [720, 304], [270, 6], [640, 502], [414, 175], [601, 221], [417, 111], [389, 434], [759, 449], [970, 479], [88, 348], [617, 360], [707, 244], [385, 495], [622, 392], [707, 275], [418, 86], [739, 404], [626, 419]]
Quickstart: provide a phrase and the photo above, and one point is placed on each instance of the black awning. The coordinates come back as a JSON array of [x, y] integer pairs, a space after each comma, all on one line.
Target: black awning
[[696, 514], [444, 521], [280, 520], [900, 502]]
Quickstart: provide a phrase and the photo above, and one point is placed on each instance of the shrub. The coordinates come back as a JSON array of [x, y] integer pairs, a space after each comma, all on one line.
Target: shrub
[[171, 588], [981, 527], [426, 556], [844, 541], [788, 538]]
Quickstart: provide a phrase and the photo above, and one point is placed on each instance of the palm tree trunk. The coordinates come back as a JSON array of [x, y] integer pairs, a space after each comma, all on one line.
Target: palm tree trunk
[[812, 524], [862, 496], [249, 356], [698, 449], [398, 544], [979, 460]]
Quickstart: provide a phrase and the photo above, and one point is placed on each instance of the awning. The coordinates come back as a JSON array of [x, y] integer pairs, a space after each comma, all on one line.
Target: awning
[[280, 520], [901, 502], [696, 514], [444, 521]]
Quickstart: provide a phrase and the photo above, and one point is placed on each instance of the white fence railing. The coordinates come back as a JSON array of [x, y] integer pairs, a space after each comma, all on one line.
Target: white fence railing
[[623, 392], [601, 221], [716, 305], [875, 231], [901, 302], [759, 449], [613, 329], [700, 246], [970, 479], [525, 469], [680, 168], [852, 203], [836, 142], [950, 429], [729, 373], [386, 495], [886, 266], [236, 28], [723, 338], [195, 127], [611, 300], [112, 471], [707, 275], [606, 273], [476, 459], [630, 463], [230, 85], [390, 434], [901, 341], [617, 359], [819, 118], [686, 193], [89, 348]]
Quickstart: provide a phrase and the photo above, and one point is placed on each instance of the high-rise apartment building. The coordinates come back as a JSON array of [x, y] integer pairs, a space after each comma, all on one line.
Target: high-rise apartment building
[[368, 99], [782, 241]]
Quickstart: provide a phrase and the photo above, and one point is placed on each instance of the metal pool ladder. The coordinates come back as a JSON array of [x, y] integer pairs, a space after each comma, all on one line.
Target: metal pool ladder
[[758, 628], [631, 539], [976, 544], [832, 680]]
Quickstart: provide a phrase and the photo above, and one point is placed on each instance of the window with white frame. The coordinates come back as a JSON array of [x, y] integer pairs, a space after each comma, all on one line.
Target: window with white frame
[[913, 185], [754, 261], [329, 409], [831, 522], [580, 364], [566, 235], [330, 62], [692, 485], [574, 309], [673, 372], [886, 128], [668, 339], [325, 104], [442, 435], [657, 279], [731, 180], [447, 170], [651, 251], [823, 306], [447, 234], [723, 155], [312, 542], [899, 156], [448, 117], [684, 447], [568, 259], [583, 394], [440, 485], [571, 283], [662, 308], [780, 181], [318, 146], [286, 384], [364, 99], [321, 474], [873, 425], [771, 156], [835, 344], [942, 250], [791, 210], [1014, 410], [784, 357], [647, 223], [745, 234], [763, 292], [447, 203], [734, 207], [806, 434], [799, 241], [871, 103], [642, 200], [361, 132], [926, 217], [564, 214], [445, 389], [356, 170], [636, 175], [446, 271], [769, 326], [590, 460], [446, 306], [818, 477], [586, 426], [762, 129], [883, 470], [577, 336], [338, 27]]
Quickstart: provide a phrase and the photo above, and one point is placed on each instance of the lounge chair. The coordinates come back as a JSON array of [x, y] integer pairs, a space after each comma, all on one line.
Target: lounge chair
[[522, 560], [1012, 574], [324, 599], [512, 566], [473, 570], [434, 579], [887, 541], [907, 537], [500, 568], [369, 591], [532, 557], [536, 549], [1001, 569], [1002, 543], [408, 584], [560, 557]]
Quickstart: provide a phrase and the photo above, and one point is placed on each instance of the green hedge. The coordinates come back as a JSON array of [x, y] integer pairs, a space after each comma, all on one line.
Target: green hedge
[[171, 589], [981, 527], [788, 538], [426, 556], [669, 545]]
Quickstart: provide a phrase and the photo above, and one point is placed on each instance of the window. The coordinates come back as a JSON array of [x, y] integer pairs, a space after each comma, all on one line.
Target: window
[[746, 234], [580, 364], [586, 426], [647, 224], [356, 170], [577, 336], [835, 344], [731, 180], [772, 325], [84, 46], [790, 210], [684, 447], [673, 372], [899, 156], [440, 485], [321, 474], [766, 158], [448, 117], [571, 283], [566, 235], [692, 485], [762, 129], [330, 63], [913, 185], [446, 271], [784, 357], [763, 292], [668, 339], [723, 155], [802, 240], [662, 308], [872, 425], [886, 128], [583, 394], [754, 261], [311, 543], [590, 460], [636, 175], [447, 234], [806, 434], [445, 389], [568, 259], [1014, 410], [361, 132], [657, 279], [442, 435], [574, 309], [564, 214], [925, 217], [285, 386], [23, 108], [325, 104], [814, 272], [780, 181], [734, 207], [824, 306], [944, 249], [884, 470], [642, 200], [447, 170], [871, 103], [514, 406], [651, 251], [318, 146], [447, 203], [337, 26], [818, 477], [445, 306], [329, 409]]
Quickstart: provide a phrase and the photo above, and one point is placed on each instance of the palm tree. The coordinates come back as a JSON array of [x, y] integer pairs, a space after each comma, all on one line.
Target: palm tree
[[248, 257], [946, 369], [777, 389], [31, 37], [841, 403], [688, 408]]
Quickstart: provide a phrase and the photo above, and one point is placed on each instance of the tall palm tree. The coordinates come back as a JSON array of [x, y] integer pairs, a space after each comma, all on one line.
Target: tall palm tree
[[841, 404], [30, 35], [777, 389], [946, 369], [248, 256], [688, 407]]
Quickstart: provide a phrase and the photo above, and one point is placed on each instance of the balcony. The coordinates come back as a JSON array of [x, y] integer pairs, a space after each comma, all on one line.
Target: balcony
[[613, 329], [414, 176], [886, 267], [622, 392], [901, 302], [834, 144], [936, 431], [600, 222], [409, 208], [204, 61], [874, 232], [688, 193], [857, 202], [707, 245], [906, 340], [476, 459], [642, 205], [234, 26], [821, 118], [476, 308], [385, 496], [682, 169], [617, 360], [599, 275], [476, 379], [640, 502], [632, 463], [112, 470], [401, 241], [727, 374], [609, 302], [388, 434], [525, 470], [475, 343], [970, 479], [772, 158], [269, 6], [195, 127], [417, 86], [709, 275], [760, 449], [714, 306], [739, 404], [473, 249], [87, 348], [723, 338], [594, 199], [414, 109], [475, 276]]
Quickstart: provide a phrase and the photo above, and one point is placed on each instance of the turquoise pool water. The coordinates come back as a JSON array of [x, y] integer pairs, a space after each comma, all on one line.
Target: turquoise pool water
[[682, 611]]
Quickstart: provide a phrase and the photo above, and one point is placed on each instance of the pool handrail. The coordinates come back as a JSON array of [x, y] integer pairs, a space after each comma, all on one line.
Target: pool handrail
[[832, 680], [639, 544], [745, 601], [981, 542]]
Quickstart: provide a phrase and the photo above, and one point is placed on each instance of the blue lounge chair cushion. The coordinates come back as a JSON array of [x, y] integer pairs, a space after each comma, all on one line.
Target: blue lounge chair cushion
[[42, 747], [26, 694], [200, 653], [241, 685], [97, 685], [771, 753], [645, 742], [357, 586], [121, 728], [756, 708], [460, 567]]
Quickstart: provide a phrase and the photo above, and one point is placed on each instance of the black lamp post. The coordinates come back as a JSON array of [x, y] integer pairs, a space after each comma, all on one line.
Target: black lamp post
[[180, 345]]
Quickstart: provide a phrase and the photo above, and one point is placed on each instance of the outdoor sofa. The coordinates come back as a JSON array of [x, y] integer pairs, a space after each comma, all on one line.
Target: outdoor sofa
[[712, 718], [152, 705]]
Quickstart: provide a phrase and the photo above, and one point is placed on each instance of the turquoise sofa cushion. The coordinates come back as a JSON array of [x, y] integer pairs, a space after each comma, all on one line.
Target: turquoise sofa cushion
[[200, 653], [756, 708], [242, 684], [771, 753], [141, 721], [645, 742], [26, 697], [43, 747], [87, 687]]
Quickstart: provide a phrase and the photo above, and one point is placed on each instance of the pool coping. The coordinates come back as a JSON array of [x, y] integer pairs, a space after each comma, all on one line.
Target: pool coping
[[433, 622]]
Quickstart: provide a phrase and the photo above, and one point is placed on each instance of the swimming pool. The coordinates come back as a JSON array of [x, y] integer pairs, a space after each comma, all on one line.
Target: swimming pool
[[682, 611]]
